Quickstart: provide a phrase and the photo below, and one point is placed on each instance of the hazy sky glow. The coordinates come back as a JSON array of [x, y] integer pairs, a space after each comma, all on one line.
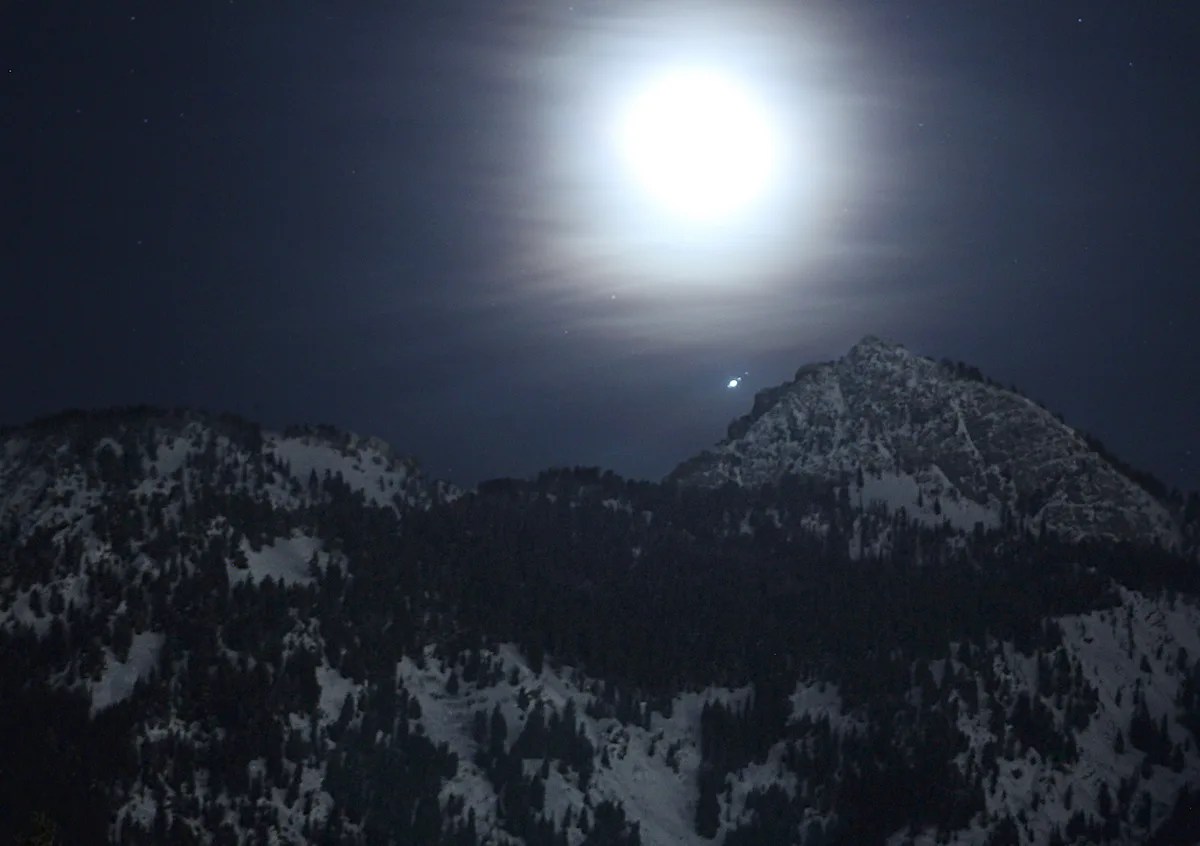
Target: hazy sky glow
[[603, 226], [412, 220]]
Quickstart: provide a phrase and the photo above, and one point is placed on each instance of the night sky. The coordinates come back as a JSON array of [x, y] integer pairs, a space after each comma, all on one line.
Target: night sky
[[407, 219]]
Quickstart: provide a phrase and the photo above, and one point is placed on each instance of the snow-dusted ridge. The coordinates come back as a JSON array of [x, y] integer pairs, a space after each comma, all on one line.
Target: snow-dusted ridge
[[55, 470]]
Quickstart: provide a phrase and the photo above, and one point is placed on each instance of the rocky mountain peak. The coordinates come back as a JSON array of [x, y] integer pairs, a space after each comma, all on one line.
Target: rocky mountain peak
[[936, 439], [874, 346]]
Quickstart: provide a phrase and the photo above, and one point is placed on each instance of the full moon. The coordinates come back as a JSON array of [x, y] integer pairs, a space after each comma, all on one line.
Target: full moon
[[699, 143]]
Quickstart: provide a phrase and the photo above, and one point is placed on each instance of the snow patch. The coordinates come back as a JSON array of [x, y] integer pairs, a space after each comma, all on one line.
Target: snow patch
[[378, 477], [334, 689], [119, 678], [286, 559]]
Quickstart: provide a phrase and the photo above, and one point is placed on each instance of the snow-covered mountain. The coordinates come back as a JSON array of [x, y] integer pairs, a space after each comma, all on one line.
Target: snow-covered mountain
[[938, 440], [212, 633]]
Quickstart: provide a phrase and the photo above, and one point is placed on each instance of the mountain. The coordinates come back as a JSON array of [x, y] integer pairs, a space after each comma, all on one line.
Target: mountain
[[214, 633], [938, 440]]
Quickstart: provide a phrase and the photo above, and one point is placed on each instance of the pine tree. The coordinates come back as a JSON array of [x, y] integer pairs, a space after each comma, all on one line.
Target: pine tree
[[708, 808]]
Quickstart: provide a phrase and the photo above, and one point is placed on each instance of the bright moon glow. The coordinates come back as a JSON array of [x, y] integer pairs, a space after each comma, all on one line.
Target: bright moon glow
[[700, 144], [733, 383]]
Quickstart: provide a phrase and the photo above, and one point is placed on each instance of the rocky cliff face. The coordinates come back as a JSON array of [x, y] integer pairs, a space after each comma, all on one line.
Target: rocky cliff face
[[937, 440]]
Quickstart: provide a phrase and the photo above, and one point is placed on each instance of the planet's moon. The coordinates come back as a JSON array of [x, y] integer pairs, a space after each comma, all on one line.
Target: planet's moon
[[699, 143]]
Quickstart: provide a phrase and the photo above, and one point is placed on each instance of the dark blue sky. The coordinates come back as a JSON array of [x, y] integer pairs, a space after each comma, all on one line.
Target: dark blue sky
[[375, 216]]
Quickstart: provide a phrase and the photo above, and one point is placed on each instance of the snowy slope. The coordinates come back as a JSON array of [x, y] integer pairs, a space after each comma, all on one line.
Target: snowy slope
[[1108, 652], [211, 584], [650, 771]]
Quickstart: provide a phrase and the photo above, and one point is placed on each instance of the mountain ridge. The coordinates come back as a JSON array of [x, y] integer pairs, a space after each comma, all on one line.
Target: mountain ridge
[[238, 635]]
